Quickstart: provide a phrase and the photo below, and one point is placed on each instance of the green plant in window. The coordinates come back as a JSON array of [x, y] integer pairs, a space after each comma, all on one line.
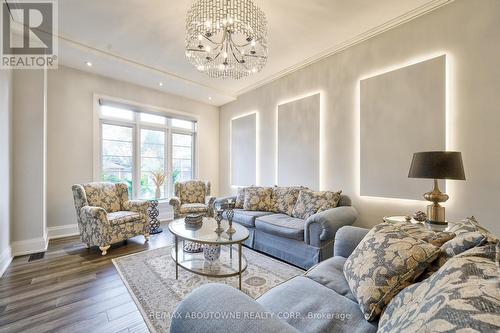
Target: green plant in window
[[175, 174]]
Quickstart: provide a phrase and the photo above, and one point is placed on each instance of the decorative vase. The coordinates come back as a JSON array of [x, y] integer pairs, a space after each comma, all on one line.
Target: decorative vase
[[158, 192], [211, 252]]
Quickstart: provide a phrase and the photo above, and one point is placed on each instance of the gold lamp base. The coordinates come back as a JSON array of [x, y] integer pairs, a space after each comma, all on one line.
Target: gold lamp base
[[436, 212]]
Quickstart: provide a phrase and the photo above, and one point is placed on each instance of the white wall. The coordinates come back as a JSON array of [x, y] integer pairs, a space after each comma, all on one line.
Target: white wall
[[70, 134], [5, 167], [28, 166], [468, 31]]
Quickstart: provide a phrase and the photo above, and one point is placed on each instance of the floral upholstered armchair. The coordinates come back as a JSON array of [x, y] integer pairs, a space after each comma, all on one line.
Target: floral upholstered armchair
[[106, 215], [192, 197]]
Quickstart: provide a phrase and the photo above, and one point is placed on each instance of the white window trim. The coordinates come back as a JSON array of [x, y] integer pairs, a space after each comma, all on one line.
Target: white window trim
[[136, 125]]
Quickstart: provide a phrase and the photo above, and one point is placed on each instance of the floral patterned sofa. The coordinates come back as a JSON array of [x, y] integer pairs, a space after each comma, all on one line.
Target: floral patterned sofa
[[458, 292], [105, 214], [292, 223], [192, 196]]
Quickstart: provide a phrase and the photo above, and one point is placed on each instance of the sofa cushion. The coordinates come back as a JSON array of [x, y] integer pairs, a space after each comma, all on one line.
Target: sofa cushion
[[258, 198], [310, 202], [120, 217], [285, 198], [461, 297], [330, 273], [193, 208], [247, 217], [103, 195], [281, 225], [311, 307], [386, 261]]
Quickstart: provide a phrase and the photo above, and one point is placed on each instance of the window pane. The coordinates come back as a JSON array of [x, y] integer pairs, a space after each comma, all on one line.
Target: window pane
[[182, 157], [153, 119], [152, 160], [117, 158], [120, 133], [183, 124], [113, 112], [152, 136]]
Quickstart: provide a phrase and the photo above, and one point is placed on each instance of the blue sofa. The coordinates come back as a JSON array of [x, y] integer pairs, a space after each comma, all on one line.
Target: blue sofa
[[302, 243], [461, 296], [323, 290]]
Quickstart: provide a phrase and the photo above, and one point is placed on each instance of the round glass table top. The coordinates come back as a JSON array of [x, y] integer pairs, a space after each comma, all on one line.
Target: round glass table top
[[205, 233]]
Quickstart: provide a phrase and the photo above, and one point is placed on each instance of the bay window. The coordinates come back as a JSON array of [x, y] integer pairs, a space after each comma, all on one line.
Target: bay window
[[135, 145]]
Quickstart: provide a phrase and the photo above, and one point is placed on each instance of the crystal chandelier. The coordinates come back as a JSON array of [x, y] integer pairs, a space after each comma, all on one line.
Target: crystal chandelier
[[226, 38]]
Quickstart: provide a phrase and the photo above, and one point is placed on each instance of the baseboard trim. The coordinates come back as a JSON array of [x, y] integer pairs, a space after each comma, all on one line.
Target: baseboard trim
[[62, 231], [29, 246], [5, 260]]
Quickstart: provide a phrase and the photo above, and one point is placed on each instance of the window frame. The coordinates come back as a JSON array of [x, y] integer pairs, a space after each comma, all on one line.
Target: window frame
[[137, 125]]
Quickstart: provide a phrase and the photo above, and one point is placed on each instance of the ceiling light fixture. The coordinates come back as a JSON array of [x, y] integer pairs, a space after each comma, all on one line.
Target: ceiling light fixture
[[88, 63], [160, 84], [226, 38]]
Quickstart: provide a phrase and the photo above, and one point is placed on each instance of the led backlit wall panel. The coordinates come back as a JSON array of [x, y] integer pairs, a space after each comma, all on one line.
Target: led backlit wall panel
[[298, 140], [243, 150], [402, 111]]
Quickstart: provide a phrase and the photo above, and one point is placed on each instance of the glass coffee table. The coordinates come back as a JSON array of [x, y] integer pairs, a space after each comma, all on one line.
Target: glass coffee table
[[226, 265]]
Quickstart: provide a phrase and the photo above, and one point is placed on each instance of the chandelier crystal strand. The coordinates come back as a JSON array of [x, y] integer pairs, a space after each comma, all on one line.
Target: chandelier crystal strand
[[226, 38]]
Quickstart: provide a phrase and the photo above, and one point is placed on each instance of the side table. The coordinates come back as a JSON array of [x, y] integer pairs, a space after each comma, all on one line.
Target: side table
[[154, 222]]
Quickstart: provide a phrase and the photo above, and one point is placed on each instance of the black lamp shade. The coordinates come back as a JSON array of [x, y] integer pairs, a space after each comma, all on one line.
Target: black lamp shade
[[437, 165]]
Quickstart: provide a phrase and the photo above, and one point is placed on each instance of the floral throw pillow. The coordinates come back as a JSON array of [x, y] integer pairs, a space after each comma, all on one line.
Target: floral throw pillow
[[240, 198], [285, 198], [386, 261], [258, 198], [419, 231], [310, 202], [461, 297]]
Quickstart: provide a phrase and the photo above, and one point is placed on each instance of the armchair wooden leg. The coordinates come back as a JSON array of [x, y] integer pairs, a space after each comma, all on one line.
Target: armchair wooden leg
[[146, 237], [104, 249]]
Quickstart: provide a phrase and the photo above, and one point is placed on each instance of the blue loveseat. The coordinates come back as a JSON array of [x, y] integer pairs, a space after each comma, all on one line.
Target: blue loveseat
[[302, 243]]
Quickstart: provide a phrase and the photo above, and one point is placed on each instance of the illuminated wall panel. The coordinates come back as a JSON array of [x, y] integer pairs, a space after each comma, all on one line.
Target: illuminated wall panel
[[298, 137], [244, 150], [402, 111]]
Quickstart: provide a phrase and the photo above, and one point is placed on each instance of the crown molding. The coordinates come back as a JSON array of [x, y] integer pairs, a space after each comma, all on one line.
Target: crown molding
[[393, 23], [141, 65]]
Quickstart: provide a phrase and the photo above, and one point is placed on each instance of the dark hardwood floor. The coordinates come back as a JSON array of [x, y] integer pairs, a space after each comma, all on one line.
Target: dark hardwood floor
[[72, 289]]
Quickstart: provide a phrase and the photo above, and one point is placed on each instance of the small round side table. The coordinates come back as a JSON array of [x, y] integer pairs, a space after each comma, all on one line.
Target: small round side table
[[154, 222]]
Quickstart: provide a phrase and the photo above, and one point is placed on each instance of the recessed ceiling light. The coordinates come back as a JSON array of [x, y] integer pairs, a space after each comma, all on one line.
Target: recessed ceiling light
[[88, 63], [160, 84], [210, 98]]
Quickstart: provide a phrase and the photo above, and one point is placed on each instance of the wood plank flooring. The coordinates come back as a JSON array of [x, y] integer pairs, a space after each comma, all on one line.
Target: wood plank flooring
[[72, 289]]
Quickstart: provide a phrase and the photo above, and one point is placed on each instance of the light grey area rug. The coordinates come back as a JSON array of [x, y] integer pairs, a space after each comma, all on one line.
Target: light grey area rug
[[150, 279]]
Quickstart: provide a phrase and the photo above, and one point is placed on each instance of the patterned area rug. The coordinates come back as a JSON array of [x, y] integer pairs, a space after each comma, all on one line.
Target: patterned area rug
[[150, 279]]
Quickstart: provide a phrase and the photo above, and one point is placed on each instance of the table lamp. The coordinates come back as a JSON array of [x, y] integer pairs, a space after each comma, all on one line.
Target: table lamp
[[437, 165]]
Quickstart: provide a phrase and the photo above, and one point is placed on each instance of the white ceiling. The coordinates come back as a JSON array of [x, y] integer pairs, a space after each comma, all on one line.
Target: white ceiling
[[143, 41]]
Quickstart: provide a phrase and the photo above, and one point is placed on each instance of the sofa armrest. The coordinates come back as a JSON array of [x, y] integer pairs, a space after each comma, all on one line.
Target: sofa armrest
[[222, 200], [322, 226], [346, 240], [138, 206], [92, 214], [221, 308], [175, 202]]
